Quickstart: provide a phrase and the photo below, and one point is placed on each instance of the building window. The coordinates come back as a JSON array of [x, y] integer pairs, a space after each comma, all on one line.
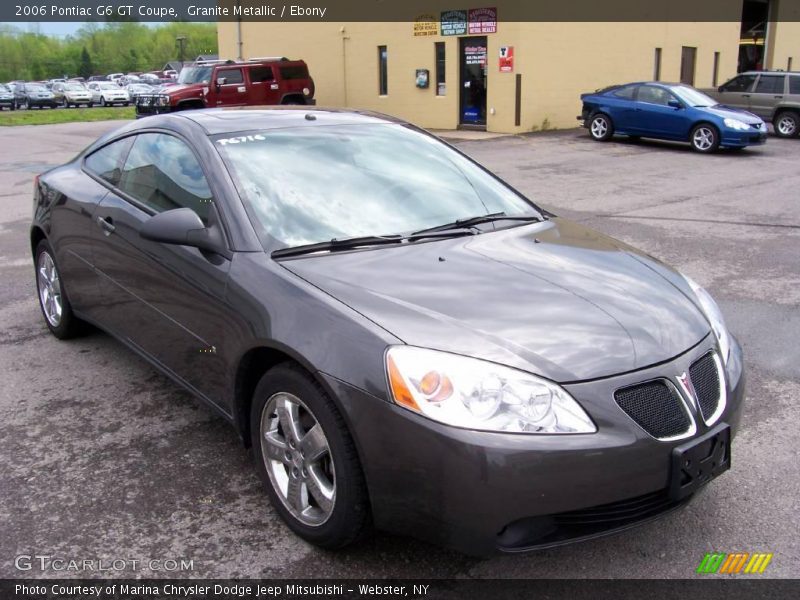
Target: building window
[[383, 79], [715, 75], [688, 62], [657, 65], [441, 88]]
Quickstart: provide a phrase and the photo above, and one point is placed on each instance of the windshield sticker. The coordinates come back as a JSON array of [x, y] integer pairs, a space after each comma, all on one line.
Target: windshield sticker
[[241, 139]]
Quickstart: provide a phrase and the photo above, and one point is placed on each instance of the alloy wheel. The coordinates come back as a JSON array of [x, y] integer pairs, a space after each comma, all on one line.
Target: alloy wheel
[[49, 289], [298, 459], [787, 125], [703, 138], [599, 127]]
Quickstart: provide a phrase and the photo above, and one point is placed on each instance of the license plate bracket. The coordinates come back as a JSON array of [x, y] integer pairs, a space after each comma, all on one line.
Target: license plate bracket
[[696, 463]]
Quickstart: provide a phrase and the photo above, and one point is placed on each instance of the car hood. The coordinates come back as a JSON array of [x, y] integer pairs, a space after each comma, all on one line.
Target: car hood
[[554, 298], [728, 112]]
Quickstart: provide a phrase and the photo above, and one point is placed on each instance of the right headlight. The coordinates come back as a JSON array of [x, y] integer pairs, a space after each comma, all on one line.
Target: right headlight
[[476, 394], [714, 316]]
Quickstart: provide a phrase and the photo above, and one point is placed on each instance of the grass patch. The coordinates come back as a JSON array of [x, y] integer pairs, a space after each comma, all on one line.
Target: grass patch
[[48, 116]]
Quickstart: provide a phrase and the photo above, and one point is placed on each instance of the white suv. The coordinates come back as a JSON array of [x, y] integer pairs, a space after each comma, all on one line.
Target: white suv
[[106, 93]]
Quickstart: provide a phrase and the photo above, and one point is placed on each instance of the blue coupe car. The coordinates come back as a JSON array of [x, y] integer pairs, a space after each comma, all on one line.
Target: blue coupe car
[[673, 112]]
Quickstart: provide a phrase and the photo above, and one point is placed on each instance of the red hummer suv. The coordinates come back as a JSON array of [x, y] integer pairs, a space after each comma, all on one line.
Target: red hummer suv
[[228, 83]]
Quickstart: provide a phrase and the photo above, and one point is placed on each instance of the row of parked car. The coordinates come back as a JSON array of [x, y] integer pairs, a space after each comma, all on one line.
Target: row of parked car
[[734, 115], [38, 94]]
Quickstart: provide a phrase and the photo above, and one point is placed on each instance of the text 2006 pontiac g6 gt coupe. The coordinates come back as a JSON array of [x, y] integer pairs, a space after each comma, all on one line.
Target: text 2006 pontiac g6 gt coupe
[[405, 340]]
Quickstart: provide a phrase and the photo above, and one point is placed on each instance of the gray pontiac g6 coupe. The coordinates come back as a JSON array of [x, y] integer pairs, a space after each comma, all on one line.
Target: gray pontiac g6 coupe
[[406, 342]]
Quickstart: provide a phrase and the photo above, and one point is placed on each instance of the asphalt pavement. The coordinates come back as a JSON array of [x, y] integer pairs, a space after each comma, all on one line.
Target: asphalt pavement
[[102, 458]]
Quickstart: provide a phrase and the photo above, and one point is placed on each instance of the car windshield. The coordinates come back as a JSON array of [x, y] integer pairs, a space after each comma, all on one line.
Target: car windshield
[[74, 87], [312, 184], [692, 97], [108, 86], [35, 88], [195, 75]]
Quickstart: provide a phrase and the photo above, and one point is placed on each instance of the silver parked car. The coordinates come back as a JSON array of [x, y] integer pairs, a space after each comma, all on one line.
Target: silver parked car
[[772, 95]]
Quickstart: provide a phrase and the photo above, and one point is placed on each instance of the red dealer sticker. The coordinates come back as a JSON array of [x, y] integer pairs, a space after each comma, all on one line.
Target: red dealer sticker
[[506, 59]]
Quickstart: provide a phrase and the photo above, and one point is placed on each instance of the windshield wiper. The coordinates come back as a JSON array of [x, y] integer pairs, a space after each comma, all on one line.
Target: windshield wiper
[[365, 241], [477, 220]]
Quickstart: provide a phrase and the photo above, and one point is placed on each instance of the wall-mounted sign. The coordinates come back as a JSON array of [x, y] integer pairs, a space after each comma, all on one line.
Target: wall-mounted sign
[[454, 22], [421, 78], [506, 61], [425, 25], [482, 20], [475, 55]]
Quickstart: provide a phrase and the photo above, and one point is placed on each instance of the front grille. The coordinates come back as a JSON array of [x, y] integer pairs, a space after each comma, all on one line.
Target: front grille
[[707, 385], [656, 407]]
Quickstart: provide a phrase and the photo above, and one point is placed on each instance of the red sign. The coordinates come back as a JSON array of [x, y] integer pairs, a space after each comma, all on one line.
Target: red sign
[[482, 20], [506, 59]]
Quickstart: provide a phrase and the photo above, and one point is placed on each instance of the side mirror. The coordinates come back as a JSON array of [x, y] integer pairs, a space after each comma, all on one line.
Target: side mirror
[[719, 89], [674, 104], [221, 81], [181, 226]]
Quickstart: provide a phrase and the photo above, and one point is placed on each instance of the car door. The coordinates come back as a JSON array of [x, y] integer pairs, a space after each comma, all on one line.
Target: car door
[[654, 115], [263, 87], [94, 88], [770, 89], [737, 92], [167, 301], [229, 87]]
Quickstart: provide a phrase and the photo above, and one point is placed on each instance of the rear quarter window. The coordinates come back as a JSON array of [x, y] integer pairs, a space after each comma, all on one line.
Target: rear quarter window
[[296, 72], [794, 84], [106, 162], [260, 74]]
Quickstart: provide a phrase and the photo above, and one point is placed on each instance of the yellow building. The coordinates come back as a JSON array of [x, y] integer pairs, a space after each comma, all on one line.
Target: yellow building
[[461, 68]]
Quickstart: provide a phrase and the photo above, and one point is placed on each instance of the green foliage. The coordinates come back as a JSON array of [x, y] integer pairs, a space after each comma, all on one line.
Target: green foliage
[[49, 116], [99, 49]]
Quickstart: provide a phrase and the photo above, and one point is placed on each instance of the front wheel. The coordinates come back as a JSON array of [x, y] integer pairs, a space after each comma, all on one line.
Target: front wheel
[[53, 301], [307, 460], [704, 138], [103, 102], [601, 127], [787, 124]]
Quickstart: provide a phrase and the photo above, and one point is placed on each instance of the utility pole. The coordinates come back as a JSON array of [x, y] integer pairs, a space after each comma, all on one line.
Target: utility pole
[[181, 40]]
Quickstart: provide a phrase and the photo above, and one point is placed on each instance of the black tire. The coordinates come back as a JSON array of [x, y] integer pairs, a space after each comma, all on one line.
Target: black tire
[[787, 124], [349, 518], [704, 138], [601, 127], [13, 106], [69, 325], [90, 105], [103, 102]]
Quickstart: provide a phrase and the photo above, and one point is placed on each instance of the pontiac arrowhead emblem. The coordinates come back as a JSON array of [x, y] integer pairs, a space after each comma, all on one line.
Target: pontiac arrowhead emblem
[[688, 387]]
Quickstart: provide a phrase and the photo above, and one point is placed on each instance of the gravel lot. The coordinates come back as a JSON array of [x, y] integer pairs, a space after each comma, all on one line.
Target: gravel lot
[[103, 458]]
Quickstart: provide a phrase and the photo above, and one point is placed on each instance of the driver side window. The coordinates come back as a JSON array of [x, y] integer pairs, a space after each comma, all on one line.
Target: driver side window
[[742, 83], [654, 95], [162, 173]]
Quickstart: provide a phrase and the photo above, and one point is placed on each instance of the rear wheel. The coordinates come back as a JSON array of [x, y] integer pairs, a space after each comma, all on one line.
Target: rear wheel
[[704, 138], [787, 124], [601, 128], [53, 301], [307, 460]]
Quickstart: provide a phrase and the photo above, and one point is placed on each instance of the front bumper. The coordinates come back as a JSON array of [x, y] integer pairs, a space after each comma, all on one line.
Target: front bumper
[[483, 493], [42, 102], [732, 138]]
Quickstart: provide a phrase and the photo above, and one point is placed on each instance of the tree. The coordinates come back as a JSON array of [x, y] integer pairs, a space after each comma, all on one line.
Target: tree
[[85, 69]]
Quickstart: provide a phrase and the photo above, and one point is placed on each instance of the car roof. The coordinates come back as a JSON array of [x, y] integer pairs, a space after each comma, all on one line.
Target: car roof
[[228, 120]]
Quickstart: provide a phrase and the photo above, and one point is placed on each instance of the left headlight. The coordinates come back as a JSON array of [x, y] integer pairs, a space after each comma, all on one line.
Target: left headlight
[[714, 316], [476, 394], [736, 124]]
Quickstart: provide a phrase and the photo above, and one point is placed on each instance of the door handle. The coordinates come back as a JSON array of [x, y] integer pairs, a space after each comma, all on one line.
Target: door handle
[[745, 95], [779, 97], [107, 224]]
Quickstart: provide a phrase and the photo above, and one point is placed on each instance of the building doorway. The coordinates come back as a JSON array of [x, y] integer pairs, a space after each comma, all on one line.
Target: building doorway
[[473, 64], [688, 64], [754, 33]]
